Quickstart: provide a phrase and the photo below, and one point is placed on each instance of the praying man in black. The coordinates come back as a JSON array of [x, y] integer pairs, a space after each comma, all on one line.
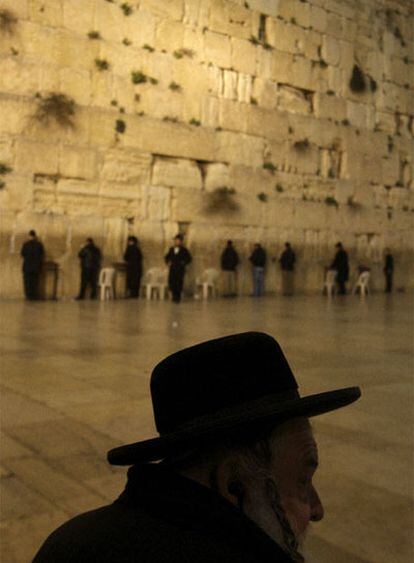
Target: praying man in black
[[133, 259], [90, 259], [177, 258], [32, 253]]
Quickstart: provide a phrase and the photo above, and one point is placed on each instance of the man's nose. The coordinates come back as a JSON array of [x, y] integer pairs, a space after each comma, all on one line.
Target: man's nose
[[317, 510]]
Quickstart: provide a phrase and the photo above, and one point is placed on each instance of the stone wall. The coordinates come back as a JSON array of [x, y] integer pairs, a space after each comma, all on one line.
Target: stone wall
[[265, 120]]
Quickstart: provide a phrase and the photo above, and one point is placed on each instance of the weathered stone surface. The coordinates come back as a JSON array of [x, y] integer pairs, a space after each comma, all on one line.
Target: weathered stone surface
[[226, 87], [217, 49], [243, 56], [176, 172]]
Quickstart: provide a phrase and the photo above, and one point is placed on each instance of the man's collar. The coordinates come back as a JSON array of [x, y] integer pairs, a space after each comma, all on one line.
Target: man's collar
[[181, 501]]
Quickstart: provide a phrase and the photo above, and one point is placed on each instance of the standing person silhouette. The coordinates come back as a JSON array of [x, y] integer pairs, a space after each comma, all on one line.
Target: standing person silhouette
[[287, 263], [340, 264], [33, 254], [177, 258], [90, 259], [133, 259]]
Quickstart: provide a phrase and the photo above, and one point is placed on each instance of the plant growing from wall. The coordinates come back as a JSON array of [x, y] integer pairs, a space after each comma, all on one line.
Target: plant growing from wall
[[153, 80], [180, 53], [57, 107], [357, 82], [262, 197], [138, 77], [195, 122], [221, 199], [253, 101], [279, 188], [120, 126], [126, 8], [4, 169], [174, 87], [101, 64], [302, 145], [270, 167], [169, 118], [148, 48], [330, 200], [94, 35], [8, 21], [126, 41]]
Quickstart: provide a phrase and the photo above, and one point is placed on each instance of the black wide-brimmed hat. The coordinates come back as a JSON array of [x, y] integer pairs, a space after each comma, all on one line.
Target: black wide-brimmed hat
[[235, 384]]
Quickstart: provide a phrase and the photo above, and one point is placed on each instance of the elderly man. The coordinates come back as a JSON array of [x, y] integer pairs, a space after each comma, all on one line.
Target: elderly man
[[236, 457]]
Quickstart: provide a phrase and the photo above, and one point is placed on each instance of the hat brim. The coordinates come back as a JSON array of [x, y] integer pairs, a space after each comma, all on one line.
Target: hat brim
[[266, 411]]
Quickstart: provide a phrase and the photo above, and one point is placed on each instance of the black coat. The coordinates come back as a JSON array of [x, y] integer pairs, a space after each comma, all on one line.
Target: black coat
[[340, 264], [287, 260], [90, 257], [229, 259], [389, 264], [162, 517], [133, 259], [33, 253], [178, 261], [258, 257]]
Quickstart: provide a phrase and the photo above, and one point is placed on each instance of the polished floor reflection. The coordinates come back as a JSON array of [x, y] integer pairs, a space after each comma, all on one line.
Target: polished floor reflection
[[75, 383]]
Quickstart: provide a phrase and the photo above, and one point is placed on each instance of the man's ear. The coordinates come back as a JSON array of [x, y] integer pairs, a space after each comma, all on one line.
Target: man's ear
[[230, 484]]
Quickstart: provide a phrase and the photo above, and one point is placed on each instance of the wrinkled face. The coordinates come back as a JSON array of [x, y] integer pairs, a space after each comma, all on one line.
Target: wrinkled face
[[287, 493], [295, 464]]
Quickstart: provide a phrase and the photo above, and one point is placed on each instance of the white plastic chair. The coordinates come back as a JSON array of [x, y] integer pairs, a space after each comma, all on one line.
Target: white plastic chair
[[362, 283], [155, 283], [208, 281], [106, 283], [330, 282]]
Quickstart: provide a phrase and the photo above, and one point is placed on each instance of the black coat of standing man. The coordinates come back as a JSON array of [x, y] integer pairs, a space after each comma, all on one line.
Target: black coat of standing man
[[287, 263], [340, 264], [177, 258], [229, 262], [32, 253], [388, 270], [133, 259], [90, 258]]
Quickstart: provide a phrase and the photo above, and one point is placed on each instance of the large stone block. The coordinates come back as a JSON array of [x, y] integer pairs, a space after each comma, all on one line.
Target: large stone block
[[357, 113], [265, 92], [139, 28], [268, 7], [18, 78], [295, 11], [76, 84], [330, 107], [46, 12], [239, 148], [171, 9], [158, 201], [232, 115], [176, 172], [170, 139], [107, 20], [331, 50], [169, 35], [267, 124], [217, 175], [123, 165], [219, 17], [294, 100], [243, 56], [217, 49], [78, 16], [230, 79], [36, 158], [318, 18], [77, 162]]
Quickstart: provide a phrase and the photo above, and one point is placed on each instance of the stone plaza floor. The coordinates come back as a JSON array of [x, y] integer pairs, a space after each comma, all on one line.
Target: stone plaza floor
[[74, 382]]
